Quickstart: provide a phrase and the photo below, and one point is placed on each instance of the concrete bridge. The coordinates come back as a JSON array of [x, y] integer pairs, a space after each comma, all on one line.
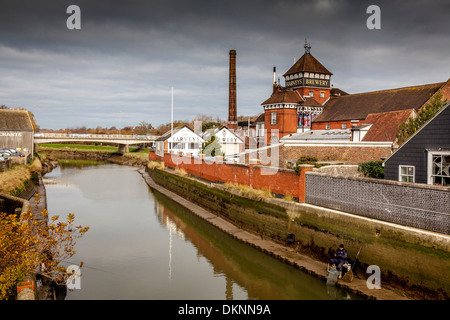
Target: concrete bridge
[[124, 141]]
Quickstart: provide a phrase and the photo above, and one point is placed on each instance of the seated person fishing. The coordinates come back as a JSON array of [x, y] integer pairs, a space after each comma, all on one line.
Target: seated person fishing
[[340, 258]]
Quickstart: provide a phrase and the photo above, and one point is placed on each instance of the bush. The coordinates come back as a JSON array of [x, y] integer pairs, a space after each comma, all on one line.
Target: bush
[[372, 169], [305, 160]]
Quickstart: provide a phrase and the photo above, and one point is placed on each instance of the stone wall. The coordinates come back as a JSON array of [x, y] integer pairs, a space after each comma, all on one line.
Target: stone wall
[[415, 205], [345, 153]]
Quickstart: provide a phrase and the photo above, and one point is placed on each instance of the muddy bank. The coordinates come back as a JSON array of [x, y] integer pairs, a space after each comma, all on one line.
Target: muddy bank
[[49, 157]]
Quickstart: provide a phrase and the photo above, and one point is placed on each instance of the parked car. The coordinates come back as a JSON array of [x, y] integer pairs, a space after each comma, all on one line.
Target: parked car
[[12, 152]]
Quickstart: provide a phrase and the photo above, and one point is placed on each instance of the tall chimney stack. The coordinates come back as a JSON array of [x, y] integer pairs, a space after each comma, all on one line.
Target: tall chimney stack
[[232, 108]]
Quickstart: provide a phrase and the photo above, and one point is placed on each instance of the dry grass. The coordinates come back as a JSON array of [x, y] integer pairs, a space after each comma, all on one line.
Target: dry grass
[[289, 198], [248, 192], [155, 165], [181, 171], [13, 180], [36, 165]]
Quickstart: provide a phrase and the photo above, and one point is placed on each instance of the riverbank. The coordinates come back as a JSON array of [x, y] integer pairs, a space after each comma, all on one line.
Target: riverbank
[[316, 230], [281, 252], [52, 155]]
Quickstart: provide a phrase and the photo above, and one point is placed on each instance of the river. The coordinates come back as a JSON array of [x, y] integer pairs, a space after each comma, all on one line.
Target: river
[[142, 245]]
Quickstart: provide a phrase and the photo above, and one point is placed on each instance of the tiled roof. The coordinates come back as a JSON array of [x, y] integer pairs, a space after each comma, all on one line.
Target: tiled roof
[[385, 125], [309, 64], [284, 96], [289, 96], [358, 106]]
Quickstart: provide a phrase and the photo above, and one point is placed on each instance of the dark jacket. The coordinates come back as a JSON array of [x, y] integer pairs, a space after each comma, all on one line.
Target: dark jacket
[[341, 254]]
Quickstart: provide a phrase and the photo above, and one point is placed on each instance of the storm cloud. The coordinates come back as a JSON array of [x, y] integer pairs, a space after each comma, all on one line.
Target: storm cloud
[[119, 68]]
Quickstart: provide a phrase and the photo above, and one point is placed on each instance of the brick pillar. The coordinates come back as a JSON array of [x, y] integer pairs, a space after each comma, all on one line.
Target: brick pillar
[[302, 181]]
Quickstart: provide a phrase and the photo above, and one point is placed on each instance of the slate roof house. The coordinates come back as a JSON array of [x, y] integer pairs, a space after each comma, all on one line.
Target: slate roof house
[[425, 156]]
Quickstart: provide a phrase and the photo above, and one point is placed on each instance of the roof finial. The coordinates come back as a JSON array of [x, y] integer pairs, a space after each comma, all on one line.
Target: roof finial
[[307, 47]]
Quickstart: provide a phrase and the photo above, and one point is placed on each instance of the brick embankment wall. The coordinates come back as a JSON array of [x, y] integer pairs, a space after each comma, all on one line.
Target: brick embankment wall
[[410, 260], [282, 182]]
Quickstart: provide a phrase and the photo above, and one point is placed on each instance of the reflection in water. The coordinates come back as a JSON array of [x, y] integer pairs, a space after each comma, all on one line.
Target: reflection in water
[[142, 245]]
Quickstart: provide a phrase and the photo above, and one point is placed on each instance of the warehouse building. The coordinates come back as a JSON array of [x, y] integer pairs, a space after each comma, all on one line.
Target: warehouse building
[[16, 131]]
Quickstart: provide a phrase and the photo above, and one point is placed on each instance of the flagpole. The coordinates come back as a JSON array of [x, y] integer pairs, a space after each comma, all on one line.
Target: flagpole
[[171, 117]]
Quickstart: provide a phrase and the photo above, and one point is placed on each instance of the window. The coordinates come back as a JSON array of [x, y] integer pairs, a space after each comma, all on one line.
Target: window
[[344, 125], [406, 173], [322, 94], [273, 119], [311, 93], [327, 126], [440, 168]]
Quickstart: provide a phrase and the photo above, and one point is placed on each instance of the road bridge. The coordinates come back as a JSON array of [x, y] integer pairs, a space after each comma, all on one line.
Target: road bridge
[[123, 141]]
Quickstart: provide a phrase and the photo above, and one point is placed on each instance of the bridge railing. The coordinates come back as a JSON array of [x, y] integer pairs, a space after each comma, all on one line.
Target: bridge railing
[[93, 136]]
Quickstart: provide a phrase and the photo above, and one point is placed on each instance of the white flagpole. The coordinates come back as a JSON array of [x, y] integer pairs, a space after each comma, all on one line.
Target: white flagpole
[[171, 117]]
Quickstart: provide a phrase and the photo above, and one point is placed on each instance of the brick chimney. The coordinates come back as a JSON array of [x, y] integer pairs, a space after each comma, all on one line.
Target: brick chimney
[[232, 107]]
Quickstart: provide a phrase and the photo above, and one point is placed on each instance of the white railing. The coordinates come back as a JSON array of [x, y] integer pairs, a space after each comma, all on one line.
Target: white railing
[[92, 136]]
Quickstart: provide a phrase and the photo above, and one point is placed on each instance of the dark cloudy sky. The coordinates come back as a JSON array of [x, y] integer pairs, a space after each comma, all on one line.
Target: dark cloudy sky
[[119, 68]]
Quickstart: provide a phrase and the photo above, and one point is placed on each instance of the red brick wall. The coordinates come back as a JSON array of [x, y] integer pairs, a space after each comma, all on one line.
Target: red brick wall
[[304, 91], [347, 154], [282, 182], [286, 123], [152, 156]]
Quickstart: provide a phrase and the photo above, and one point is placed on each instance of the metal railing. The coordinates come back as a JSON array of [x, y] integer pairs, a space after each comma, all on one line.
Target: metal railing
[[92, 136]]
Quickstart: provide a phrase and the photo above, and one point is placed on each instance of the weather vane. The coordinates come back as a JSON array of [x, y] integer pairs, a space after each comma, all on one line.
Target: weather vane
[[307, 47]]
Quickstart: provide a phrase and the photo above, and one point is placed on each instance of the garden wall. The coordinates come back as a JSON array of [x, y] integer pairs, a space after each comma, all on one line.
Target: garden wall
[[410, 204]]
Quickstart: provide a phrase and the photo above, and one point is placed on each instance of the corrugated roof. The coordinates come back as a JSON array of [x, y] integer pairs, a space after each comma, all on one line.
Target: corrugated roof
[[358, 106], [15, 120], [320, 135]]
